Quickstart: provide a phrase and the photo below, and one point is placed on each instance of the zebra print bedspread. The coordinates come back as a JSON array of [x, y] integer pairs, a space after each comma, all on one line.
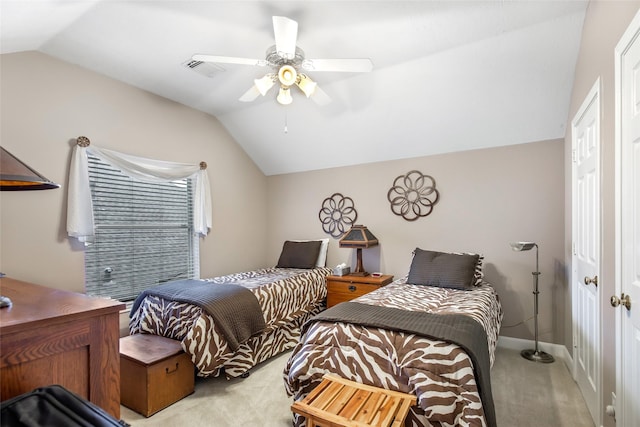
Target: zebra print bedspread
[[439, 374], [287, 297]]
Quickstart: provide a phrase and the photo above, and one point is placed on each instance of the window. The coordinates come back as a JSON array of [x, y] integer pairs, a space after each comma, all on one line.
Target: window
[[144, 233]]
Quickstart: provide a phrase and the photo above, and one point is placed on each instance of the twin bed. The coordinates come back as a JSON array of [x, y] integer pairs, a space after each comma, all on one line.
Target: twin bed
[[408, 336], [286, 296]]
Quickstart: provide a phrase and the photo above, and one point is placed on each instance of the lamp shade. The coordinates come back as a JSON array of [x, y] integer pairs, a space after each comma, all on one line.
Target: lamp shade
[[17, 176], [287, 75], [307, 85], [522, 246], [265, 83], [284, 96], [358, 237]]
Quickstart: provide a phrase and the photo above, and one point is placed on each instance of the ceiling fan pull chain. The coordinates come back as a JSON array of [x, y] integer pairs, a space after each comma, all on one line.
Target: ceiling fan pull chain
[[286, 129]]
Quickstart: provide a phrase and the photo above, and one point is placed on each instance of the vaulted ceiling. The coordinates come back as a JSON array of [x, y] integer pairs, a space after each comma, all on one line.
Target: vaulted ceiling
[[447, 76]]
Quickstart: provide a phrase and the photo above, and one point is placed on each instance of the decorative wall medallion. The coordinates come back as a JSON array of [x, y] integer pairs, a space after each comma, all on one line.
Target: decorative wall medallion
[[337, 214], [413, 195]]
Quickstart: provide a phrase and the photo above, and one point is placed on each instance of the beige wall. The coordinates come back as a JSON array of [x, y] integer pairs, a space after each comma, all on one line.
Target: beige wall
[[47, 103], [605, 21], [488, 198]]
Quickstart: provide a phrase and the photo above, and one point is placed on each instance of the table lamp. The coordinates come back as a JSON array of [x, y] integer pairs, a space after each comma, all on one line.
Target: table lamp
[[358, 237], [15, 175]]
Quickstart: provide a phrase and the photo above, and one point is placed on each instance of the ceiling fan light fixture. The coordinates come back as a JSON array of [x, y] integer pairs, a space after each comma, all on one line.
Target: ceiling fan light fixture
[[286, 61], [306, 85], [265, 83], [284, 96], [287, 75]]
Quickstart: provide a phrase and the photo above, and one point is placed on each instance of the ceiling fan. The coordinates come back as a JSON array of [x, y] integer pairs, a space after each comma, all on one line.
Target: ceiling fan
[[289, 63]]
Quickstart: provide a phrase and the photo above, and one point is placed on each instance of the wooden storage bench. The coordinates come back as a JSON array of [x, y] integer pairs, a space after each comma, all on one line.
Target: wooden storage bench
[[154, 373], [337, 402]]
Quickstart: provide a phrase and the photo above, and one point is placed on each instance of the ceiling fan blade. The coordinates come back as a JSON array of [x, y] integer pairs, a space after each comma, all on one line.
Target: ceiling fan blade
[[250, 95], [229, 60], [286, 34], [320, 97], [354, 65]]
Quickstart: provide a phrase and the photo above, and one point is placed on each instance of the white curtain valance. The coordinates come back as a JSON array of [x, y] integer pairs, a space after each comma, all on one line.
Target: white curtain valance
[[80, 223]]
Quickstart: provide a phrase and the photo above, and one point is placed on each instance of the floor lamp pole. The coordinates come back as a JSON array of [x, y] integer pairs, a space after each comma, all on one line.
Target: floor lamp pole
[[535, 354]]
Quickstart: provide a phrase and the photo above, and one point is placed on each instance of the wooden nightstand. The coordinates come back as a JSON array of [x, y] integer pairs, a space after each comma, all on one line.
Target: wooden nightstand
[[346, 288]]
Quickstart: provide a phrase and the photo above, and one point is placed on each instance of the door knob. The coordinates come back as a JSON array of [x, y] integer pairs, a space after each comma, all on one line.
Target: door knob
[[588, 280], [624, 300]]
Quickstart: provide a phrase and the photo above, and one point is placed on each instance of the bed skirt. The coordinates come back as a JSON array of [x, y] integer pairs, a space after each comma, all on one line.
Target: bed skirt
[[267, 345]]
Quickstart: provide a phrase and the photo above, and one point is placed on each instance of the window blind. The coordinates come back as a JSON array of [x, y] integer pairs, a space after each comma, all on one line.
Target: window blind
[[143, 233]]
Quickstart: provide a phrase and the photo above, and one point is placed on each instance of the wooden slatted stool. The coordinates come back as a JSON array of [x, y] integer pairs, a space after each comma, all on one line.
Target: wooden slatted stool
[[337, 402]]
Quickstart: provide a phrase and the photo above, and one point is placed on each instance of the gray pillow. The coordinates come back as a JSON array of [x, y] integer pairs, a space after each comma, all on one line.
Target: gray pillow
[[443, 269], [299, 254], [479, 273]]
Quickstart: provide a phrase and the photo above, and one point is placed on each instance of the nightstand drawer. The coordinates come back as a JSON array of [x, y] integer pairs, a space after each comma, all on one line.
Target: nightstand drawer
[[346, 288], [351, 289]]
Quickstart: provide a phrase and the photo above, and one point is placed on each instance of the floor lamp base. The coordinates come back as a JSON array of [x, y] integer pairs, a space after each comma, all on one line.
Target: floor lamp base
[[537, 356]]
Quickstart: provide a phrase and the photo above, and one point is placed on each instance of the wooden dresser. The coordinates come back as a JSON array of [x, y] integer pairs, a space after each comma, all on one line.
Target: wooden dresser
[[51, 336], [346, 288]]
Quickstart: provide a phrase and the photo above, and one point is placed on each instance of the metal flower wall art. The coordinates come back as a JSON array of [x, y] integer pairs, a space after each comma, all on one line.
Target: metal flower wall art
[[337, 214], [413, 195]]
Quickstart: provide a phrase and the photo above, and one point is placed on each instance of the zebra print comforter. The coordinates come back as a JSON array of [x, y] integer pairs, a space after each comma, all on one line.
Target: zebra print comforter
[[287, 296], [438, 373]]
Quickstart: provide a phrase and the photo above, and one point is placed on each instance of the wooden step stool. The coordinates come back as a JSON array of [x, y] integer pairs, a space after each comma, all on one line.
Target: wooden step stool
[[154, 373], [337, 402]]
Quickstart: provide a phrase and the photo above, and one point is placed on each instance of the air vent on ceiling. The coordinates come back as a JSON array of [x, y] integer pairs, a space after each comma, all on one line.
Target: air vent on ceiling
[[206, 69]]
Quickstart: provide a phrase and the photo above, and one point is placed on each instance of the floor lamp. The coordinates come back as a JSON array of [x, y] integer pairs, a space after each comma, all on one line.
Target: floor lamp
[[535, 355]]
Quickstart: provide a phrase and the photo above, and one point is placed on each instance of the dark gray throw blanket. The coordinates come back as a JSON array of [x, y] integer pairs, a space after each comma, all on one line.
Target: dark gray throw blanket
[[452, 328], [235, 309]]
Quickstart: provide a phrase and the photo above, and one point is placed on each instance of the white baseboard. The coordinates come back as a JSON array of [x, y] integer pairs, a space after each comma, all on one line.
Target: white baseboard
[[556, 350]]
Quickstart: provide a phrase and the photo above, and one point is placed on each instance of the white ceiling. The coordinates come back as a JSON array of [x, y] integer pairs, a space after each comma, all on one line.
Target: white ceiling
[[448, 75]]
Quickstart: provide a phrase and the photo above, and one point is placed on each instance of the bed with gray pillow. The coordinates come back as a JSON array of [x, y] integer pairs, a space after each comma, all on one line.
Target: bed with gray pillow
[[287, 295], [364, 341]]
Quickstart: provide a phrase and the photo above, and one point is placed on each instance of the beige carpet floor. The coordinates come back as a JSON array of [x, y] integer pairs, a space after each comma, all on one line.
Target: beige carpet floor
[[525, 394]]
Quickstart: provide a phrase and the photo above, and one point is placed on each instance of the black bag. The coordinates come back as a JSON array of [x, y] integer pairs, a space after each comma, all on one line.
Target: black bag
[[54, 406]]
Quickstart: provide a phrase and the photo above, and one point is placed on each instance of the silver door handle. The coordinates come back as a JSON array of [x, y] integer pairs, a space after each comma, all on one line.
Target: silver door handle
[[588, 280], [624, 300]]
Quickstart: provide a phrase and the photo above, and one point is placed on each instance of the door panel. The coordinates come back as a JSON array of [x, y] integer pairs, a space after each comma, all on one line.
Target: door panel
[[628, 258], [586, 257]]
